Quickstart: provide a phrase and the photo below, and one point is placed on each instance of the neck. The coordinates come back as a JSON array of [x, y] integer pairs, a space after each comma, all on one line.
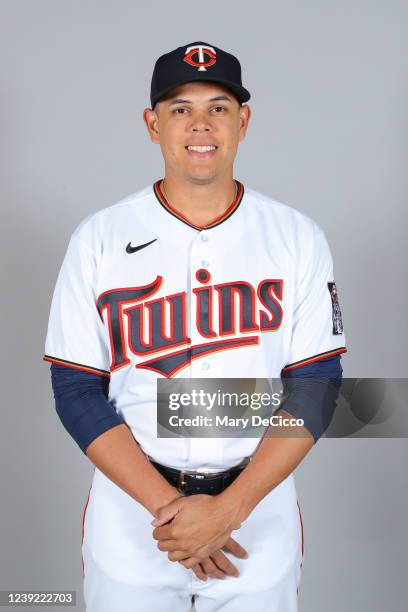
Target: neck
[[200, 203]]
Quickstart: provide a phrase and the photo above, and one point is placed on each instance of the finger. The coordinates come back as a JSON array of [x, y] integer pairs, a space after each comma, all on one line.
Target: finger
[[212, 570], [236, 549], [163, 533], [191, 561], [171, 546], [179, 555], [224, 564], [198, 570], [167, 513], [163, 519]]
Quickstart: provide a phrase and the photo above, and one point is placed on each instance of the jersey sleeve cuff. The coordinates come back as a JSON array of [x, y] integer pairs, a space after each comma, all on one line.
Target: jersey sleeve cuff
[[76, 366], [325, 355]]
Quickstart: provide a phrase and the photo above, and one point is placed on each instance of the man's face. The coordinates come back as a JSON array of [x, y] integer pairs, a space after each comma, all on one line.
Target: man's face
[[198, 114]]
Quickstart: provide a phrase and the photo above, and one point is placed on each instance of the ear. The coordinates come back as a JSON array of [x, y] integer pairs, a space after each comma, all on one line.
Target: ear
[[245, 114], [152, 124]]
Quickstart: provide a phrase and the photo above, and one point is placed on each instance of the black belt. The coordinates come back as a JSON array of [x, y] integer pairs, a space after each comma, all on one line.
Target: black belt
[[192, 483]]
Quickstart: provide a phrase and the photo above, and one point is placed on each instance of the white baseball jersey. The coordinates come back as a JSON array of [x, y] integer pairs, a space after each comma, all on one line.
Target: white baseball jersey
[[142, 294]]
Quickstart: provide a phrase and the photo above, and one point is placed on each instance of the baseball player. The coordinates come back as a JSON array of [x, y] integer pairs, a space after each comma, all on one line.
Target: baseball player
[[194, 276]]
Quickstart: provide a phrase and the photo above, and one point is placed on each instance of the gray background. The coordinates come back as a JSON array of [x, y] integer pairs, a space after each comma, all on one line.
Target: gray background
[[328, 136]]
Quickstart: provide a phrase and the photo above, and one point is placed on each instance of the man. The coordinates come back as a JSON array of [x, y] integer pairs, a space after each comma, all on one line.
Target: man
[[193, 277]]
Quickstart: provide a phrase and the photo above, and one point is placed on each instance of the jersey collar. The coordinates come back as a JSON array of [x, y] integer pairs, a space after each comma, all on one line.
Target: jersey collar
[[220, 219]]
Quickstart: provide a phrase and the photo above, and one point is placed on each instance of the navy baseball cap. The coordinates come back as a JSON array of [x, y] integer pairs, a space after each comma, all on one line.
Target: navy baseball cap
[[197, 61]]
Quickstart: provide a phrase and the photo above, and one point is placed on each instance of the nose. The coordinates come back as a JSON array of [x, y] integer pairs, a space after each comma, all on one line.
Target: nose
[[200, 123]]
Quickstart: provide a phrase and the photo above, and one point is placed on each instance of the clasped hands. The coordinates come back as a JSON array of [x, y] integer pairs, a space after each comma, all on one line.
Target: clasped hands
[[194, 529]]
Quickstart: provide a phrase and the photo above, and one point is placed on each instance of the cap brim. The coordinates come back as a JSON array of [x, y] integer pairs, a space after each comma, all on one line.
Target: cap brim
[[240, 92]]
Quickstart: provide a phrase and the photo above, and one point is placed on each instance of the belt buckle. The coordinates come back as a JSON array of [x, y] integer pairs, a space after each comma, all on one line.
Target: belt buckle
[[182, 482]]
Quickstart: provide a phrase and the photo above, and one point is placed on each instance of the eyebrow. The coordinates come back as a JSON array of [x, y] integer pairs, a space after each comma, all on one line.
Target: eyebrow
[[182, 101]]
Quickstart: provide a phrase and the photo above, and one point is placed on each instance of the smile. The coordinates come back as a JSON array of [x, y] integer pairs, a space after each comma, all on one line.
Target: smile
[[201, 151], [201, 148]]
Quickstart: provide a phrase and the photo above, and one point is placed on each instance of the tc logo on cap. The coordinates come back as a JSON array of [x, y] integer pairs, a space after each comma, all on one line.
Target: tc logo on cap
[[201, 51]]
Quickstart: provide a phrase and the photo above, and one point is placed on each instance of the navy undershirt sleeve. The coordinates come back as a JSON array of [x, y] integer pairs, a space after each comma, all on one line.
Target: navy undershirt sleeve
[[82, 404], [311, 393]]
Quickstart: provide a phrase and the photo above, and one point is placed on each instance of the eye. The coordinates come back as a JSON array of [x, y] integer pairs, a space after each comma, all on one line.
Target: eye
[[179, 111], [219, 108]]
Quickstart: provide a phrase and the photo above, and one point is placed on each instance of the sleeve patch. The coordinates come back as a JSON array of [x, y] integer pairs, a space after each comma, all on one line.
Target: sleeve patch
[[336, 312]]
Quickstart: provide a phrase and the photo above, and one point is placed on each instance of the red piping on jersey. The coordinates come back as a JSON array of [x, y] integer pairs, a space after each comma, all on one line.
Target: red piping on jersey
[[301, 527], [76, 366], [303, 362], [227, 213], [83, 527]]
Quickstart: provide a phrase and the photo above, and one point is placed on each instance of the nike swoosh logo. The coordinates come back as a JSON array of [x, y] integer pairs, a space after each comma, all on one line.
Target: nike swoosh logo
[[130, 249]]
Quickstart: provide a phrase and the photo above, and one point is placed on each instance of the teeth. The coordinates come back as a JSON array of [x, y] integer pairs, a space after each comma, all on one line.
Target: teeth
[[201, 149]]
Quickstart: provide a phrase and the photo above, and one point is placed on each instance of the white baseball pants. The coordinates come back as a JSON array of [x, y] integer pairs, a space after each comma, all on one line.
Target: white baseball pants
[[125, 571]]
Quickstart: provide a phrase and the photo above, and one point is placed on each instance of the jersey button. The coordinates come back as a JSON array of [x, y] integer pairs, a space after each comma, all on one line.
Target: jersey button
[[205, 264], [205, 365], [204, 238]]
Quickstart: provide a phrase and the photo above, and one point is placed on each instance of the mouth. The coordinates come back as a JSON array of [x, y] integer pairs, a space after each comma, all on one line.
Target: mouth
[[201, 151]]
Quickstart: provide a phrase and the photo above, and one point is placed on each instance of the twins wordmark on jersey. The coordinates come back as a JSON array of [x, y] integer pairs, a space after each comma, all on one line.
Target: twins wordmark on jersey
[[222, 313]]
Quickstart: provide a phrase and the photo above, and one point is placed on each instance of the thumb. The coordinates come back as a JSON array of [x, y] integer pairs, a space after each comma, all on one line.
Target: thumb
[[166, 513]]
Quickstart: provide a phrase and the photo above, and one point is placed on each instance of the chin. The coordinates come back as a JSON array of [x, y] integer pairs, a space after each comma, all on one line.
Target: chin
[[202, 177]]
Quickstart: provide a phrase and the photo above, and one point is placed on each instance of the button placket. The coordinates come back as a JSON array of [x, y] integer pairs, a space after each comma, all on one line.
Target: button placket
[[200, 450], [199, 259]]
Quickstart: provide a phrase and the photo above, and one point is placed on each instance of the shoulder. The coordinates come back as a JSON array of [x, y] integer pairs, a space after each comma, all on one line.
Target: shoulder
[[92, 230], [296, 225]]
